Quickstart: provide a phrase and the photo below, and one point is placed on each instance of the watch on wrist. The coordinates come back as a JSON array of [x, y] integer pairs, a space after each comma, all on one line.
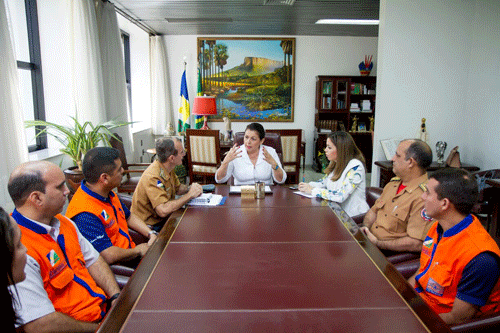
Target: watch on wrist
[[153, 232]]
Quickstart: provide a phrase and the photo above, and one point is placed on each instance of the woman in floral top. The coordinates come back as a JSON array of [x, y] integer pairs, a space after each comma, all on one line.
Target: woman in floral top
[[345, 179]]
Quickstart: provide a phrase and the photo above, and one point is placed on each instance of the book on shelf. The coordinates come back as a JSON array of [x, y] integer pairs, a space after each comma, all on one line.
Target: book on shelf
[[366, 105]]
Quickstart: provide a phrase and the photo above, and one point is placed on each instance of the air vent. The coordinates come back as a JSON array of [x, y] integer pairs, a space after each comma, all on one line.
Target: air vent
[[279, 2]]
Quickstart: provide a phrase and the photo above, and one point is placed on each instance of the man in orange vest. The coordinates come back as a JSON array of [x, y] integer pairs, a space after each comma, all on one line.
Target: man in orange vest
[[459, 262], [68, 285], [99, 214]]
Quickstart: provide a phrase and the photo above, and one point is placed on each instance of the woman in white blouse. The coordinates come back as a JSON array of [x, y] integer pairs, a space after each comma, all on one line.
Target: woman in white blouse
[[345, 180], [252, 162]]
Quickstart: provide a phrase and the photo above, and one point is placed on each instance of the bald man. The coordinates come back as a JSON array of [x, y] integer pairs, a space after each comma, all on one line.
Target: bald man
[[68, 285]]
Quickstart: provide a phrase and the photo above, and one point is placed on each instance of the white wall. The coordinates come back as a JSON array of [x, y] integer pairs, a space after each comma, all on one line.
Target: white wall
[[483, 89], [314, 56], [434, 62]]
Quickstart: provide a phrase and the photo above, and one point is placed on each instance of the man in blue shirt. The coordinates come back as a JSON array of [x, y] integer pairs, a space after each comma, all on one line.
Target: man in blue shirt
[[99, 213]]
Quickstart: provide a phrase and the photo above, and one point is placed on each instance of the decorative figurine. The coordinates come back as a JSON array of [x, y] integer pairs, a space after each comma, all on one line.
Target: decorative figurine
[[170, 131], [354, 126], [440, 149], [229, 132], [422, 133], [372, 120]]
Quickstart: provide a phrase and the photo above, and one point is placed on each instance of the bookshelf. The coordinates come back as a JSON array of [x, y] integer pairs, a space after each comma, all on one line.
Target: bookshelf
[[345, 103]]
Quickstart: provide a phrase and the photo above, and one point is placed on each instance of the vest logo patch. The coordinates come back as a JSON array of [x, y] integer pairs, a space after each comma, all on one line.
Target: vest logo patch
[[105, 215], [434, 288], [428, 242], [53, 257], [427, 246], [159, 184]]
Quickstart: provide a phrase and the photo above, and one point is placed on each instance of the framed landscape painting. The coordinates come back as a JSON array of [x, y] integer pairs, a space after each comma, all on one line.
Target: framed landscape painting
[[251, 78]]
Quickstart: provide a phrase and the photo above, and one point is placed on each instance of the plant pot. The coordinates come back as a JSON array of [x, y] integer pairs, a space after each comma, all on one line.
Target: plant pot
[[364, 72], [74, 177]]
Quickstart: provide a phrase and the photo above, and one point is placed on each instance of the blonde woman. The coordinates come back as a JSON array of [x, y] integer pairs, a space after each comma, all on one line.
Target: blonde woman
[[345, 180]]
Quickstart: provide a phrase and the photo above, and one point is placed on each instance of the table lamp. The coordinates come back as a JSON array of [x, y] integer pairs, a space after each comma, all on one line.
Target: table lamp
[[204, 106]]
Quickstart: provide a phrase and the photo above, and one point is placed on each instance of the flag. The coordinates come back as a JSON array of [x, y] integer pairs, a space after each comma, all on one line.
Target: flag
[[183, 106], [198, 120]]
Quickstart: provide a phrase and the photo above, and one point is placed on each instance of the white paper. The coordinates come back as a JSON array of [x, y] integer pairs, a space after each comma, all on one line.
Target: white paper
[[206, 199], [304, 194]]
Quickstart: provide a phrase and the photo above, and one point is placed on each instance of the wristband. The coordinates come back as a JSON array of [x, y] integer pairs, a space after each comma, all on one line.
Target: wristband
[[277, 167]]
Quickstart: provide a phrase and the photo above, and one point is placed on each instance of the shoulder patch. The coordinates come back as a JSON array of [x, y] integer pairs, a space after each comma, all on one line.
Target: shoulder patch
[[395, 179], [423, 186]]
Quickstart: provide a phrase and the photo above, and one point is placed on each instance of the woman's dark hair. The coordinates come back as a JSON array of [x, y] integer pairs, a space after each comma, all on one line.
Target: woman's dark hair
[[257, 128], [346, 151], [7, 253]]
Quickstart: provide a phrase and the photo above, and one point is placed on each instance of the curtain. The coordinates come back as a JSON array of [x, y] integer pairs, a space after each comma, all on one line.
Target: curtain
[[161, 108], [13, 146], [86, 63], [113, 72]]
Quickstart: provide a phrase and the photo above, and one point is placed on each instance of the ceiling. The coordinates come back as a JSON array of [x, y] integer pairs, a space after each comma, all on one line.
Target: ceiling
[[251, 17]]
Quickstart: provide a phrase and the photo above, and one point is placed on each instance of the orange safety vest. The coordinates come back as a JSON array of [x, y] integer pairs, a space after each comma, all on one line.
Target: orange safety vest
[[442, 264], [111, 215], [68, 283]]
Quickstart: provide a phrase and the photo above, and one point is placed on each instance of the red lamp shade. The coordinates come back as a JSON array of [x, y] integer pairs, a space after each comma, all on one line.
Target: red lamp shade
[[204, 106]]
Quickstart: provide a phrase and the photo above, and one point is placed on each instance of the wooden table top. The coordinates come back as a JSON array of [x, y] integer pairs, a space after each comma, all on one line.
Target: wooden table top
[[283, 263]]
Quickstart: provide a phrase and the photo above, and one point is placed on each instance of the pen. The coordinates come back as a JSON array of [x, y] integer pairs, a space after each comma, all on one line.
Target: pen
[[303, 178]]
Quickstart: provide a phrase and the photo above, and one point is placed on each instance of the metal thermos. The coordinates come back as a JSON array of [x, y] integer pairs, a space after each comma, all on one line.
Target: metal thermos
[[260, 190]]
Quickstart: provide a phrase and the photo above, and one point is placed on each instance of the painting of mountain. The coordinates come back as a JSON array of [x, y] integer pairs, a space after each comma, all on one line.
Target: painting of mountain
[[251, 78]]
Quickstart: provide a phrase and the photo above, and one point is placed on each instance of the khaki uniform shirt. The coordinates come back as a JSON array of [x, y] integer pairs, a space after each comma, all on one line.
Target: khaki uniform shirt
[[155, 187], [399, 215]]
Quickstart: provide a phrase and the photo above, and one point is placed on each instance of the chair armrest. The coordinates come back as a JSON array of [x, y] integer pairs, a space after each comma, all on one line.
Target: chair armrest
[[139, 164], [125, 172], [408, 268], [486, 324], [372, 194], [358, 219]]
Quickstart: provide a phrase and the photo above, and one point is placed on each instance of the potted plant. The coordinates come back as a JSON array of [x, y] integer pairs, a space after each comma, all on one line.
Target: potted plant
[[77, 140]]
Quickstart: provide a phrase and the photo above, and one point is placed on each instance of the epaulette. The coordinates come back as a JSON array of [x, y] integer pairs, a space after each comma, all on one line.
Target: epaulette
[[395, 179], [423, 186]]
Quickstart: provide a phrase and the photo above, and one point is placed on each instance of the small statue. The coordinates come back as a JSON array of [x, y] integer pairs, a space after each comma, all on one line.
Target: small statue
[[440, 149], [422, 133], [354, 126], [372, 121], [229, 132], [170, 131]]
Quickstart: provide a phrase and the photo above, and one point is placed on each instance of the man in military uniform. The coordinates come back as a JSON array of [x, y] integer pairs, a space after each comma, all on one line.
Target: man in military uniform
[[396, 221], [154, 197]]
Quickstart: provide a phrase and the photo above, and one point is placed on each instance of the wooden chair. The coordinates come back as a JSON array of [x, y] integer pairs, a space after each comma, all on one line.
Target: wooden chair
[[203, 150], [291, 140], [483, 208], [129, 184]]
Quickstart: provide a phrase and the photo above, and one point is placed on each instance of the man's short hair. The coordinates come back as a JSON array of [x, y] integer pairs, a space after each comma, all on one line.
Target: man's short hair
[[97, 161], [458, 186], [420, 152], [165, 148], [23, 184]]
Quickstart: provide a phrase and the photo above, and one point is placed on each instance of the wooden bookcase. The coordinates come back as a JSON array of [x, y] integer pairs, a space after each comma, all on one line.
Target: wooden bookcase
[[336, 98]]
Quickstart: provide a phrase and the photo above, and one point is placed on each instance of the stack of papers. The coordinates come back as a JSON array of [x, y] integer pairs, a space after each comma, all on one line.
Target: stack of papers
[[207, 199]]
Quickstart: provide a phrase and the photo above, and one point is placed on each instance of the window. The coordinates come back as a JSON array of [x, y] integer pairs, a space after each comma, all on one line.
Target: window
[[24, 25], [128, 77]]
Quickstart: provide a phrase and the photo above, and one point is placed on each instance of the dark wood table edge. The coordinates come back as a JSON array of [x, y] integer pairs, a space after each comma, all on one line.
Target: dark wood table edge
[[422, 311], [118, 315]]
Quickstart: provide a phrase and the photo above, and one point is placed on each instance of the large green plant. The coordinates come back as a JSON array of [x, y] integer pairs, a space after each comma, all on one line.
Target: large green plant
[[79, 138]]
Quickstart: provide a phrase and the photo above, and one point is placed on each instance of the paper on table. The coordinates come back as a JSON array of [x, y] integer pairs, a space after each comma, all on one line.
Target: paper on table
[[206, 199], [237, 189], [304, 194]]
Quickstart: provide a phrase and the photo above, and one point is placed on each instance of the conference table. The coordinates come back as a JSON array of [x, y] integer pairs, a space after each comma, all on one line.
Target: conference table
[[284, 263]]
